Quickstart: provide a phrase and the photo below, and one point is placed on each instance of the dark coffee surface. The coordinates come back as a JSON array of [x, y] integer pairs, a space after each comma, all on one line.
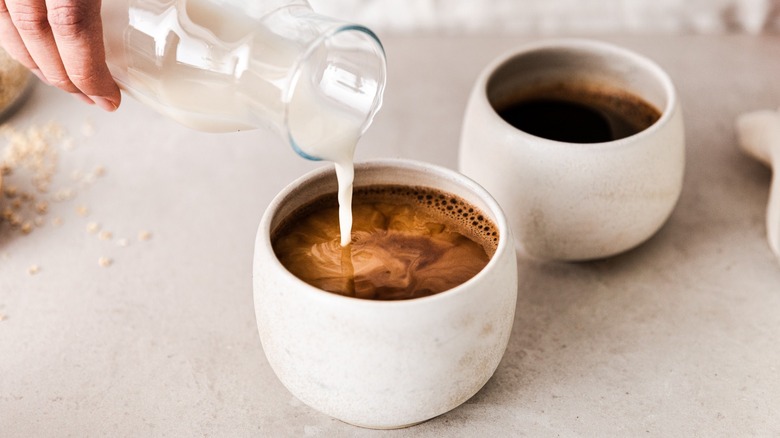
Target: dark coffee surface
[[407, 242], [579, 113]]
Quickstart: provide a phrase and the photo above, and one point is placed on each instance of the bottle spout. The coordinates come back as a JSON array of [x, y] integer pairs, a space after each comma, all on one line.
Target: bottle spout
[[335, 91]]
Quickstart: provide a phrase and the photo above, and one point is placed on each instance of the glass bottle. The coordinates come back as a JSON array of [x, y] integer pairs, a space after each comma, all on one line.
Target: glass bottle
[[229, 65]]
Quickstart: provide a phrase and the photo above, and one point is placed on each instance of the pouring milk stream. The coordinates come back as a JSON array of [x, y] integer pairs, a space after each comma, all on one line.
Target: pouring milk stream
[[228, 65]]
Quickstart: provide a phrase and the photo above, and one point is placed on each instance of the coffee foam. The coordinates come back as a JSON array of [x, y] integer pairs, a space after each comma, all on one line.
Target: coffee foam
[[407, 242], [467, 219]]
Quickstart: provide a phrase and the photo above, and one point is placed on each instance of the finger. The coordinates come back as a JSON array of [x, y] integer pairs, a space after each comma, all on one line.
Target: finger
[[78, 33], [31, 21], [12, 42]]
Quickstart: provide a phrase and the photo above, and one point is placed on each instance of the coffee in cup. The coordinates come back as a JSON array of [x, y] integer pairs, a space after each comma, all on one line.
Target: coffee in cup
[[407, 242], [577, 112]]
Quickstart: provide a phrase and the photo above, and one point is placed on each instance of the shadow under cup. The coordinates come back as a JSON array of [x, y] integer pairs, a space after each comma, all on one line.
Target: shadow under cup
[[569, 200], [384, 364]]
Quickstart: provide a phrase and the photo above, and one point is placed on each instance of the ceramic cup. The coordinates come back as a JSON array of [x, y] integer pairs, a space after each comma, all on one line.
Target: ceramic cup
[[575, 201], [384, 364]]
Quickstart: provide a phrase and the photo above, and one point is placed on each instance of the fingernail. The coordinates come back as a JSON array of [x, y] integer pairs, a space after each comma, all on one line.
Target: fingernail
[[83, 98], [104, 103], [40, 76]]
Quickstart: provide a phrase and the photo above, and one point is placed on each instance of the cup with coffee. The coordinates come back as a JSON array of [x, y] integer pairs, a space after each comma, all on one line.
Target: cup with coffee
[[581, 142], [405, 323]]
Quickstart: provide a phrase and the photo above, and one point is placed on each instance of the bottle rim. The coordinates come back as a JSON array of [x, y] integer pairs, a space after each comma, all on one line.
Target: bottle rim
[[312, 47]]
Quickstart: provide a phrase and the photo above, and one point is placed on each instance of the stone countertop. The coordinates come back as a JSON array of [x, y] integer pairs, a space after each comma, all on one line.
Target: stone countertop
[[678, 337]]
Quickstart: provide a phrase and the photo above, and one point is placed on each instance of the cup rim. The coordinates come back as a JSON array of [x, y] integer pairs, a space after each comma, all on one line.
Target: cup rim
[[591, 45], [263, 239]]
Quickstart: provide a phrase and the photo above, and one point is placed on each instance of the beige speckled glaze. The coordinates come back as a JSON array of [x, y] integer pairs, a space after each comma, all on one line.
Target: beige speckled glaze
[[384, 364], [570, 201]]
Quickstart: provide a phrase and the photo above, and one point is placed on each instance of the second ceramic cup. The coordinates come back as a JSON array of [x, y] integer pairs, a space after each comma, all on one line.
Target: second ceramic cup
[[569, 200]]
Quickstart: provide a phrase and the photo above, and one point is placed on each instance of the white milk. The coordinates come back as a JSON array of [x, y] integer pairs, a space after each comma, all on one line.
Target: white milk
[[213, 66], [322, 130]]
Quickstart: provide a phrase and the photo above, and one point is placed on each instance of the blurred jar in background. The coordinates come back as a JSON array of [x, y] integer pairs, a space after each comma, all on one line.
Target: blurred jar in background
[[14, 81]]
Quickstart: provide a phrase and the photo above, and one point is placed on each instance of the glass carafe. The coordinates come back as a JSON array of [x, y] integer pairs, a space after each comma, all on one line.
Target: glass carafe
[[229, 65]]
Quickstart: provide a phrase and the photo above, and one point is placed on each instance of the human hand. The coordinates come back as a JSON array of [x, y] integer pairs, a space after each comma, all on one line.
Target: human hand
[[61, 42]]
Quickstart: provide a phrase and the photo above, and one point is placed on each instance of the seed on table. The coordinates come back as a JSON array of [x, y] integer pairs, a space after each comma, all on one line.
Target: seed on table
[[105, 235], [42, 207], [93, 227], [42, 187], [105, 262], [87, 129], [63, 195], [14, 220], [33, 269], [82, 210], [144, 235], [11, 191]]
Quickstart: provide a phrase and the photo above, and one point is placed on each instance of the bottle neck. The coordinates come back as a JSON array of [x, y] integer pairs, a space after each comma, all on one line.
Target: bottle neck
[[309, 75]]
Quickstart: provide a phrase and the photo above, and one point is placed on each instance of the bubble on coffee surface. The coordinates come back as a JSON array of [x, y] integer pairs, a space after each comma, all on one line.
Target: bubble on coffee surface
[[407, 242]]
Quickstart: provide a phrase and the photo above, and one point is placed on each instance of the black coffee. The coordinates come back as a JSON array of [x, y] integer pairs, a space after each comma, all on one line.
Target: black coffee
[[407, 242], [579, 113]]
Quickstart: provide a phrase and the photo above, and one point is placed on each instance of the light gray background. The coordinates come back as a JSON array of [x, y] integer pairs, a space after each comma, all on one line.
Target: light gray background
[[676, 338], [552, 16]]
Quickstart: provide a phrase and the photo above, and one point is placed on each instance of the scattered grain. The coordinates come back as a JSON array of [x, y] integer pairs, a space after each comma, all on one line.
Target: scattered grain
[[42, 207], [11, 191], [93, 227], [87, 128], [64, 195], [30, 158]]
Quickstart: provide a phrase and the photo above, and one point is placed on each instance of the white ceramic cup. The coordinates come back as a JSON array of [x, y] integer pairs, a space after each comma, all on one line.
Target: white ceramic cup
[[384, 364], [574, 201]]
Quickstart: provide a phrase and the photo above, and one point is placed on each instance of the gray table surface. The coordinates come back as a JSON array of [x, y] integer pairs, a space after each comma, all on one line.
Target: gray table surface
[[679, 337]]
